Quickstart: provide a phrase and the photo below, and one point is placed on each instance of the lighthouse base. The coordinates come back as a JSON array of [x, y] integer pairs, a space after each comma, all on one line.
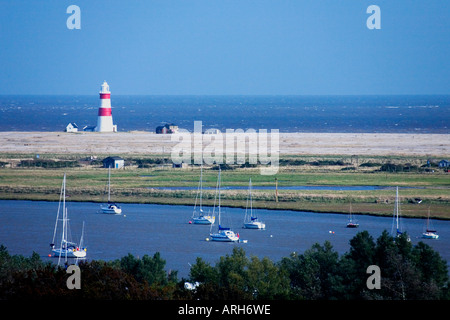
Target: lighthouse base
[[114, 129], [105, 124]]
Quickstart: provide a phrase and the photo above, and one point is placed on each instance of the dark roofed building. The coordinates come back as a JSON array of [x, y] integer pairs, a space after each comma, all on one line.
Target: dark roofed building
[[444, 164], [167, 128], [113, 162]]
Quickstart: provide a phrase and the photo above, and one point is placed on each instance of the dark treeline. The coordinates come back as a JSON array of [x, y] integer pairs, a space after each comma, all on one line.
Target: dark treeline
[[41, 163], [407, 273]]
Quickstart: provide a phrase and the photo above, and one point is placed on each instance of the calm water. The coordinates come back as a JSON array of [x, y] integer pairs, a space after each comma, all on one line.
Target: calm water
[[27, 226], [404, 113]]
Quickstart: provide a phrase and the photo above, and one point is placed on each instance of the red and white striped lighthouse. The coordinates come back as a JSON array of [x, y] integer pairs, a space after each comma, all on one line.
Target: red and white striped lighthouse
[[105, 122]]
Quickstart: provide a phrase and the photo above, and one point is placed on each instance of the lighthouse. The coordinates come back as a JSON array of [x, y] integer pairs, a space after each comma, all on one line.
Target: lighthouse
[[105, 122]]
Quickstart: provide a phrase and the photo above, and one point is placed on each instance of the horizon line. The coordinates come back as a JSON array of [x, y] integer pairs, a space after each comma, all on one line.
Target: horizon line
[[234, 95]]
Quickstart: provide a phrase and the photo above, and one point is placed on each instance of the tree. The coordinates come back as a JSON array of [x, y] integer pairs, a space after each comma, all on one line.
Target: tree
[[202, 272], [362, 251], [153, 269], [385, 247], [149, 269], [432, 268], [304, 275], [292, 267], [314, 274], [353, 266], [265, 280], [103, 281], [409, 272], [226, 280], [231, 268]]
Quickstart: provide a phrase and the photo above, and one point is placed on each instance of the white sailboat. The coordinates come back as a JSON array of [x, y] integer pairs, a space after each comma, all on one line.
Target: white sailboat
[[351, 223], [251, 221], [110, 207], [67, 248], [197, 216], [429, 233], [396, 218], [223, 234]]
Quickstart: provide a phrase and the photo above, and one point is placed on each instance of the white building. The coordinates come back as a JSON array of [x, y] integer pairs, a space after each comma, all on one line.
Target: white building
[[71, 127]]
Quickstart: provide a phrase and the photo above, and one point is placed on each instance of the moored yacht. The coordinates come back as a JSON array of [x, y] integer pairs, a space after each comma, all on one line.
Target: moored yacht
[[197, 216], [223, 234], [110, 207], [251, 221]]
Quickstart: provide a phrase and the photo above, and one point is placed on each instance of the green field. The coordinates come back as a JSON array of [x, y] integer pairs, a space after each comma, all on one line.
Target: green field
[[133, 184]]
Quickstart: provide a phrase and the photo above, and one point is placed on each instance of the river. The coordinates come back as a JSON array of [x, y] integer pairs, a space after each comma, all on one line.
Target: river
[[27, 226]]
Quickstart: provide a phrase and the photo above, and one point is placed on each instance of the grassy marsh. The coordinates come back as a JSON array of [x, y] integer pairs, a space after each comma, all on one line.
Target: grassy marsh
[[133, 184]]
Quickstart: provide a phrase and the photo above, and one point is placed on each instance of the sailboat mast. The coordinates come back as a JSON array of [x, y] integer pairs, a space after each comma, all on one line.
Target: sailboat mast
[[81, 242], [201, 187], [82, 236], [428, 222], [65, 219], [251, 200], [396, 207], [63, 235], [350, 213], [109, 183], [64, 194], [199, 192], [218, 182], [246, 206], [57, 214]]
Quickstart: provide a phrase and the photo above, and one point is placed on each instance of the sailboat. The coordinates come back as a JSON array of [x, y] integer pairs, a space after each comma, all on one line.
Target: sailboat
[[223, 234], [396, 217], [199, 217], [251, 221], [429, 233], [66, 249], [350, 223], [111, 207]]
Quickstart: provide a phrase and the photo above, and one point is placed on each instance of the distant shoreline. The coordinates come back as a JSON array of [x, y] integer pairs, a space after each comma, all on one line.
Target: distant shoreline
[[281, 130], [140, 142]]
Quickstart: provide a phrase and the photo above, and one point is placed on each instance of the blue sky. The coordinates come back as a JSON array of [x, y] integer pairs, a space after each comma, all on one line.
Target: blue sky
[[215, 47]]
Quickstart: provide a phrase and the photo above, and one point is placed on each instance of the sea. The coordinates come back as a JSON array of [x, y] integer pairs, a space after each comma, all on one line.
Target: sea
[[353, 114]]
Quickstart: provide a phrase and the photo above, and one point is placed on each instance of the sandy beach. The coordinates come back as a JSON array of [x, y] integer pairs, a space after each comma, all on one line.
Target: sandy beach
[[289, 143]]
